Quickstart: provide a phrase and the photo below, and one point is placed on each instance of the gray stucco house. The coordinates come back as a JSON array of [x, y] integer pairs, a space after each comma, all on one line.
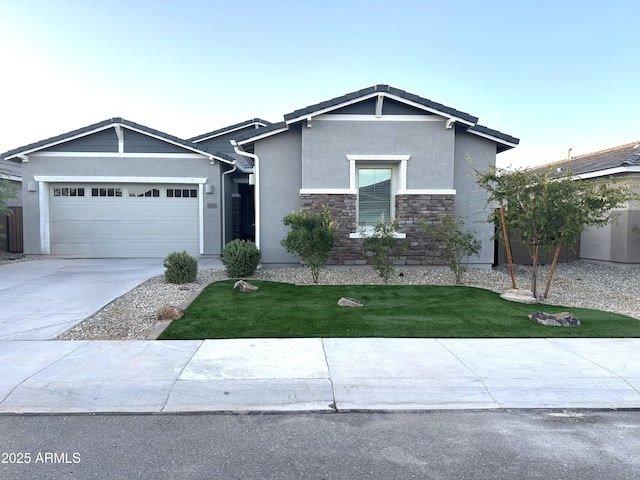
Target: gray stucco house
[[117, 188], [11, 226]]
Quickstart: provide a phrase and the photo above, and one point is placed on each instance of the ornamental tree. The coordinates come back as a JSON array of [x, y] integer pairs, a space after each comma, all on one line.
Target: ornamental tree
[[551, 209]]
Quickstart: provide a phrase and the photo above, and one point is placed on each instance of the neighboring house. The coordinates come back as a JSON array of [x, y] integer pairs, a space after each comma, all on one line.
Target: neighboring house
[[370, 155], [618, 242], [11, 226], [117, 188]]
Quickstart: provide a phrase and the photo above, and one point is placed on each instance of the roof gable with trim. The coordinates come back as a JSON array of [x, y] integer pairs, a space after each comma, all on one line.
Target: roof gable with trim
[[108, 137], [384, 100]]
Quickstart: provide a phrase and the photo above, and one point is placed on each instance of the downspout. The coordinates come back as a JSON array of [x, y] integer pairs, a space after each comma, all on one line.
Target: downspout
[[224, 205], [256, 176]]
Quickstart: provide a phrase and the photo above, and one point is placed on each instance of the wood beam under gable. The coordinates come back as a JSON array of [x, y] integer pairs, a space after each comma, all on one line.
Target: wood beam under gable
[[379, 103], [120, 135]]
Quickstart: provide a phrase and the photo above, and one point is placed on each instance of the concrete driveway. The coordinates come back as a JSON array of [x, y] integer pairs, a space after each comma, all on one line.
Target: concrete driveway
[[42, 298]]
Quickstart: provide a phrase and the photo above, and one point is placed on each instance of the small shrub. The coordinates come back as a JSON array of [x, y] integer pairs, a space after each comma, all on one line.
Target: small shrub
[[383, 248], [311, 237], [240, 258], [457, 244], [180, 268]]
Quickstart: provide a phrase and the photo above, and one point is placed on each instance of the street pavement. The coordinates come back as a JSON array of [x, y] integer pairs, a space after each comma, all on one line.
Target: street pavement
[[43, 298]]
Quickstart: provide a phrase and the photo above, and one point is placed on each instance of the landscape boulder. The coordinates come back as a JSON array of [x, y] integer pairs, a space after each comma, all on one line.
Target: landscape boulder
[[563, 319], [349, 302], [519, 295], [243, 286], [169, 312]]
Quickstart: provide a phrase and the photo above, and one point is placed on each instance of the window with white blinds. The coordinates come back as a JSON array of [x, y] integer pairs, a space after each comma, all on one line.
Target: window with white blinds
[[374, 195]]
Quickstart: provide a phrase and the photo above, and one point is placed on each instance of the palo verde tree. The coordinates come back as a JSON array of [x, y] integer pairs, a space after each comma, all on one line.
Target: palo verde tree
[[550, 209], [311, 237]]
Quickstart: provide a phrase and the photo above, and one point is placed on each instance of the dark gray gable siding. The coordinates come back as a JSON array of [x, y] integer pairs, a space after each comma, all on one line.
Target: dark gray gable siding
[[380, 89], [58, 142], [135, 142], [103, 141]]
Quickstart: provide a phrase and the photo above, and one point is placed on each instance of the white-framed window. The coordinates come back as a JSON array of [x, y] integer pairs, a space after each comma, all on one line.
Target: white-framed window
[[182, 193], [375, 197], [376, 179], [68, 191], [143, 191]]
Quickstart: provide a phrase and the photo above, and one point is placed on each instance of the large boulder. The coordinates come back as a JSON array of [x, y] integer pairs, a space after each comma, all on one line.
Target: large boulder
[[243, 286], [349, 302], [169, 312], [563, 319]]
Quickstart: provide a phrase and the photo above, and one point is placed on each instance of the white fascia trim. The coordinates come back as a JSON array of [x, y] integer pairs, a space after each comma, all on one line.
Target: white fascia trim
[[369, 233], [608, 172], [13, 178], [177, 144], [375, 158], [339, 117], [113, 179], [260, 137], [328, 191], [429, 191], [225, 132], [64, 140], [495, 139], [119, 155], [334, 107], [383, 94]]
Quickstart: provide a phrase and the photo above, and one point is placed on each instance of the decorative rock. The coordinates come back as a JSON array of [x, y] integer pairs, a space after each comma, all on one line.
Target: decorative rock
[[349, 302], [564, 319], [169, 312], [519, 295], [244, 286]]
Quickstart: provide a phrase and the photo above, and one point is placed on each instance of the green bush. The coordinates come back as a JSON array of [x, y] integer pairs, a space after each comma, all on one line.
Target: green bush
[[457, 244], [240, 258], [383, 248], [311, 237], [180, 268]]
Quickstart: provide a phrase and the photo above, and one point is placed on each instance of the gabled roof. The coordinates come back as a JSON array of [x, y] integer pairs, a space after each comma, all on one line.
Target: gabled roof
[[11, 170], [621, 159], [111, 123], [255, 122], [466, 120]]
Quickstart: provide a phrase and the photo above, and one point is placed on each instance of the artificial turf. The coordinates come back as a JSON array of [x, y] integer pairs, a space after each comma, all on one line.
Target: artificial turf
[[286, 310]]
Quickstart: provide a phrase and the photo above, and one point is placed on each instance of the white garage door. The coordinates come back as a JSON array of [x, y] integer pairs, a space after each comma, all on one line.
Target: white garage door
[[133, 220]]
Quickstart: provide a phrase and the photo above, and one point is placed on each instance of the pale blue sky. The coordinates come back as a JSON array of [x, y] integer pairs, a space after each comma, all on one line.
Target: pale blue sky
[[556, 74]]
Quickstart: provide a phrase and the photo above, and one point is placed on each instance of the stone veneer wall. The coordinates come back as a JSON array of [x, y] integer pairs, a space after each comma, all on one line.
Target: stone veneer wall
[[410, 210]]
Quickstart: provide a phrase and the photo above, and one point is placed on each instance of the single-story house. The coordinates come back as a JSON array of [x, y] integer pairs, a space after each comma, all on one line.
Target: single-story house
[[118, 189], [619, 241], [11, 225]]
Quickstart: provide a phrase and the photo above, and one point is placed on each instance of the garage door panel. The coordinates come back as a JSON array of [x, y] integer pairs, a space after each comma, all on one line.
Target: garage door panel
[[123, 226]]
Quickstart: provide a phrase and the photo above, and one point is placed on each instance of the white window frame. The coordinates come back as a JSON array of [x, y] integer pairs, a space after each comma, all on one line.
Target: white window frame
[[398, 166]]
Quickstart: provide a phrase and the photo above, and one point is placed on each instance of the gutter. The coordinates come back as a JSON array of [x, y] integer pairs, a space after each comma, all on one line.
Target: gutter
[[224, 203], [256, 175]]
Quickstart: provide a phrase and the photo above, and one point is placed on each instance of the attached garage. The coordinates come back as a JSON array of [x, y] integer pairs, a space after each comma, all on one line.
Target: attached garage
[[123, 220]]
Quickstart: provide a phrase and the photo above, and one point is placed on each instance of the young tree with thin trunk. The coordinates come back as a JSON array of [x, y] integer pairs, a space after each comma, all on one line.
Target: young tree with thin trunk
[[551, 209]]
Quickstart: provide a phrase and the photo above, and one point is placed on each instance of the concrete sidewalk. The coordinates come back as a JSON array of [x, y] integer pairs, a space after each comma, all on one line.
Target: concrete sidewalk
[[318, 375]]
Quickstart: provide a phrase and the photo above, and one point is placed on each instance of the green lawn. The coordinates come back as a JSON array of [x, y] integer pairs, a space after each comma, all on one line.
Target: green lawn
[[285, 310]]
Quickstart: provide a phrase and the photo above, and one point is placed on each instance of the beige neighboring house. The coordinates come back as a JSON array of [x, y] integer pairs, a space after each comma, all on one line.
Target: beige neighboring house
[[618, 242], [11, 226]]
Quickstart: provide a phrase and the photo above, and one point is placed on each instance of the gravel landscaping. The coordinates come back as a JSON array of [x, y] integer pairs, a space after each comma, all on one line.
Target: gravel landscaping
[[579, 284]]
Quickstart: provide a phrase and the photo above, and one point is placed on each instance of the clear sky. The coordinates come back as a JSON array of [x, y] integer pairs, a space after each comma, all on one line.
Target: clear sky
[[557, 74]]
